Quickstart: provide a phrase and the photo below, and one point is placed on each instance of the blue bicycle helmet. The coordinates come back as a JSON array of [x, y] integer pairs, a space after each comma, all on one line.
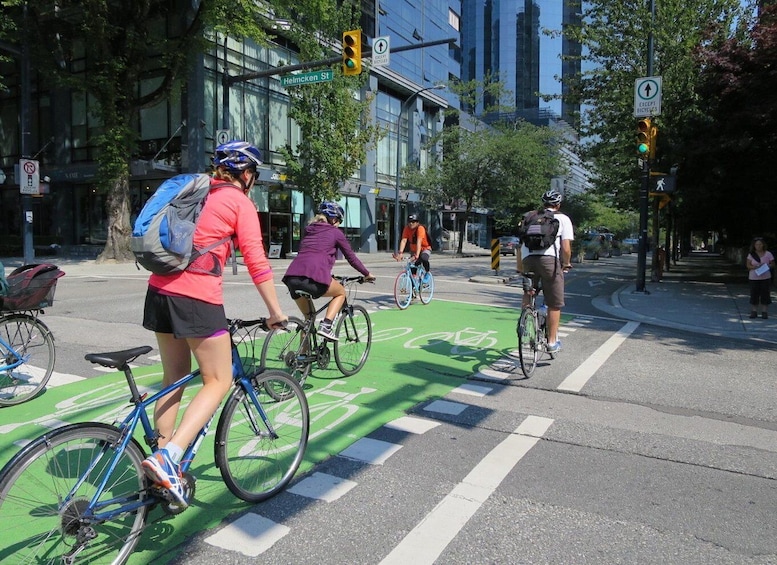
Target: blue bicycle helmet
[[237, 156], [332, 210], [552, 198]]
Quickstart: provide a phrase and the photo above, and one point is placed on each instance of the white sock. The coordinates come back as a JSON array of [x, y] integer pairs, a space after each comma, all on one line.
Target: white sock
[[174, 452]]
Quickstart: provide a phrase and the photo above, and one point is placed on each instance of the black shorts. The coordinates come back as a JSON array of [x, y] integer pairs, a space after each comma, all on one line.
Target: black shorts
[[182, 316], [305, 284]]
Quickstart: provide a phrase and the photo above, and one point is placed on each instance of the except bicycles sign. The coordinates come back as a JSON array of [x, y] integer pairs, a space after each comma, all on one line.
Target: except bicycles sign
[[647, 97], [29, 173]]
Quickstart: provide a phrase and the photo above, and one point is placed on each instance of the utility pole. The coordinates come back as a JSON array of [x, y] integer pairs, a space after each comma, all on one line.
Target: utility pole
[[645, 178]]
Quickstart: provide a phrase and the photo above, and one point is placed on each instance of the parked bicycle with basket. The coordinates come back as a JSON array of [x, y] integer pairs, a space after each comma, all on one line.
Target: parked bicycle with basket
[[78, 494], [414, 281], [27, 351], [298, 348]]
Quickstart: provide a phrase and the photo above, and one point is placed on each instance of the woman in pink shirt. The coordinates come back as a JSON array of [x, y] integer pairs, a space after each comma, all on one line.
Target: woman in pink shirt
[[186, 309]]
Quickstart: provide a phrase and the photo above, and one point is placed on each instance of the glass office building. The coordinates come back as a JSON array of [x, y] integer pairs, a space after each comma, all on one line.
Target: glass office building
[[507, 38]]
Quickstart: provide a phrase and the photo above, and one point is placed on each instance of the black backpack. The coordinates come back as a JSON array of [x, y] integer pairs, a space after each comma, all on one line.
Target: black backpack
[[538, 230]]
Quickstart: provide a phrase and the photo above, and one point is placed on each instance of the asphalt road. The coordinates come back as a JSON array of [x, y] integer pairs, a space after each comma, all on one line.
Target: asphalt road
[[638, 444]]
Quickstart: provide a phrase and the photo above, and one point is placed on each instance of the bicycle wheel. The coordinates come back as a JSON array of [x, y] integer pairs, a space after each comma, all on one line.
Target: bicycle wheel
[[29, 362], [528, 348], [282, 350], [45, 494], [354, 340], [427, 288], [403, 290], [257, 455]]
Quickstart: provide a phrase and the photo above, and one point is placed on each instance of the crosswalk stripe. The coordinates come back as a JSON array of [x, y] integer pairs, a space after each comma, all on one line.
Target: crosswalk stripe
[[431, 536]]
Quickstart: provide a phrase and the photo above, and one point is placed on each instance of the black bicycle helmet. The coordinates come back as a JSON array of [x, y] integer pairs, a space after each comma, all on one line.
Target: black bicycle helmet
[[332, 210], [237, 156], [552, 198]]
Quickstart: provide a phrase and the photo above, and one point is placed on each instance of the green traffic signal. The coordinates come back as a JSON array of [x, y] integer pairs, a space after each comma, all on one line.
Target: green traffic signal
[[644, 133]]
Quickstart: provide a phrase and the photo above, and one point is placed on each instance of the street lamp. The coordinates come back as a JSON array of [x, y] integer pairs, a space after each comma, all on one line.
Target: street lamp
[[406, 105]]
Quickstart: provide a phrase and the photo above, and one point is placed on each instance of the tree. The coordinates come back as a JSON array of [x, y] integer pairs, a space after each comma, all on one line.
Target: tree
[[122, 44], [614, 35], [729, 156], [335, 126], [505, 167]]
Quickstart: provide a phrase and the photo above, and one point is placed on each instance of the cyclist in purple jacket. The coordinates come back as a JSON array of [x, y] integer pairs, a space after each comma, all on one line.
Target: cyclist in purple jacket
[[311, 269]]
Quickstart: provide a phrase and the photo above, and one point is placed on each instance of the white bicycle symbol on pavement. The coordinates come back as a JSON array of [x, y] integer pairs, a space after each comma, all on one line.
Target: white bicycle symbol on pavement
[[466, 341]]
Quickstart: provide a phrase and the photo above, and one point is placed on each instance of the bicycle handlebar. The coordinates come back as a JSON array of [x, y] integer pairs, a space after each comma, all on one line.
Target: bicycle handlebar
[[236, 324], [361, 279]]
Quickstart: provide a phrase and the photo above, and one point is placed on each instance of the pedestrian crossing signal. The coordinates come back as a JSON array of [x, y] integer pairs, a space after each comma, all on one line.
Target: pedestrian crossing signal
[[352, 52]]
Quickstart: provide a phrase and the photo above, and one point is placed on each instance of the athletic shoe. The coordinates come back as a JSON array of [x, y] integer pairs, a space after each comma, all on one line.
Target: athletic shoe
[[554, 348], [325, 330], [163, 472]]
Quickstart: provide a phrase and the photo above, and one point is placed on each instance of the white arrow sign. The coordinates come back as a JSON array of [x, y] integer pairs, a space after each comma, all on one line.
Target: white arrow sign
[[381, 55]]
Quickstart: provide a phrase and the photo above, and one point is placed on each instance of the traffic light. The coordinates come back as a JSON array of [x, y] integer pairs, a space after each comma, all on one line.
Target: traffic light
[[352, 52], [644, 137]]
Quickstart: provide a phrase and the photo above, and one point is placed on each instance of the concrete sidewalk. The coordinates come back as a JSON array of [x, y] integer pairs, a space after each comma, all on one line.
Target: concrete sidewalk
[[703, 293]]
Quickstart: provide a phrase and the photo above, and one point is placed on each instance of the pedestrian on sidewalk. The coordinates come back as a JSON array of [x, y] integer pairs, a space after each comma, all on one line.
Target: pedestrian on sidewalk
[[311, 270], [760, 263]]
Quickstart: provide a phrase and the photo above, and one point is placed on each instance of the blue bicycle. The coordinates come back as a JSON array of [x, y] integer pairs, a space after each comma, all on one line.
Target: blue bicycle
[[78, 494], [413, 282]]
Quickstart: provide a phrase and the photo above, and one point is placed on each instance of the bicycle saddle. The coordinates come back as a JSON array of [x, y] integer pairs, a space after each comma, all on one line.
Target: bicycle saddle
[[117, 359]]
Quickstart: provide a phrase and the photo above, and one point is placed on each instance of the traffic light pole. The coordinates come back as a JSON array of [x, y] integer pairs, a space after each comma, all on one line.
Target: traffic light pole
[[645, 185], [643, 223]]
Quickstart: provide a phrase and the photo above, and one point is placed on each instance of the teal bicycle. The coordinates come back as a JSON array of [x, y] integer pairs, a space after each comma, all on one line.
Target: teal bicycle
[[78, 494], [414, 281]]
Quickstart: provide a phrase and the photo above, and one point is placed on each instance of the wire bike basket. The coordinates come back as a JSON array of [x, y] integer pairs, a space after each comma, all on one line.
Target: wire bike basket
[[30, 287]]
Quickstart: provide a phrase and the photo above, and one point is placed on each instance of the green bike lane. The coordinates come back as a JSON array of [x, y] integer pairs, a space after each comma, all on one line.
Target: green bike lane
[[418, 354]]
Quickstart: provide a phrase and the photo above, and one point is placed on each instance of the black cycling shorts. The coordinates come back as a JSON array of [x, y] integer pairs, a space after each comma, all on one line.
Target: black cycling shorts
[[305, 284], [182, 316]]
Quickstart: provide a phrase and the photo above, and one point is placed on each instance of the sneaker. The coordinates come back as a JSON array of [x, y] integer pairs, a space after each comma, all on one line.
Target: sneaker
[[764, 315], [753, 315], [427, 278], [325, 330], [163, 472], [553, 348]]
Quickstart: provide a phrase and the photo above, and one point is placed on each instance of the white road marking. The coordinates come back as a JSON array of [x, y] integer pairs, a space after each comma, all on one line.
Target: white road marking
[[322, 486], [251, 535], [372, 451], [412, 425], [425, 542], [580, 376]]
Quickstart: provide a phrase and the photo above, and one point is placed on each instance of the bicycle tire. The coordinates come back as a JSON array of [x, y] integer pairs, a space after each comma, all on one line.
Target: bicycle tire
[[41, 521], [403, 290], [354, 340], [528, 347], [426, 290], [254, 465], [31, 338], [281, 350]]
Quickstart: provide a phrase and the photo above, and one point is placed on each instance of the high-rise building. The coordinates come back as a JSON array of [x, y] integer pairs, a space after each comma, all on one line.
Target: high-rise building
[[509, 39]]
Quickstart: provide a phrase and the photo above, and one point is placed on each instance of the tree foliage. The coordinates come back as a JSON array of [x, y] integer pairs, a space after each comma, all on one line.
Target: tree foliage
[[125, 42], [729, 149], [614, 35], [505, 166], [335, 126]]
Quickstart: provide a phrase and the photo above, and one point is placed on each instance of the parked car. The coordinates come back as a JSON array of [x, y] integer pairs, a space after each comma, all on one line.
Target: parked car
[[509, 245]]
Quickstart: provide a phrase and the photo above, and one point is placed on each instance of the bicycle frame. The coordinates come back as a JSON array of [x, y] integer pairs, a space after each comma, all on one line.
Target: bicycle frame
[[140, 414]]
